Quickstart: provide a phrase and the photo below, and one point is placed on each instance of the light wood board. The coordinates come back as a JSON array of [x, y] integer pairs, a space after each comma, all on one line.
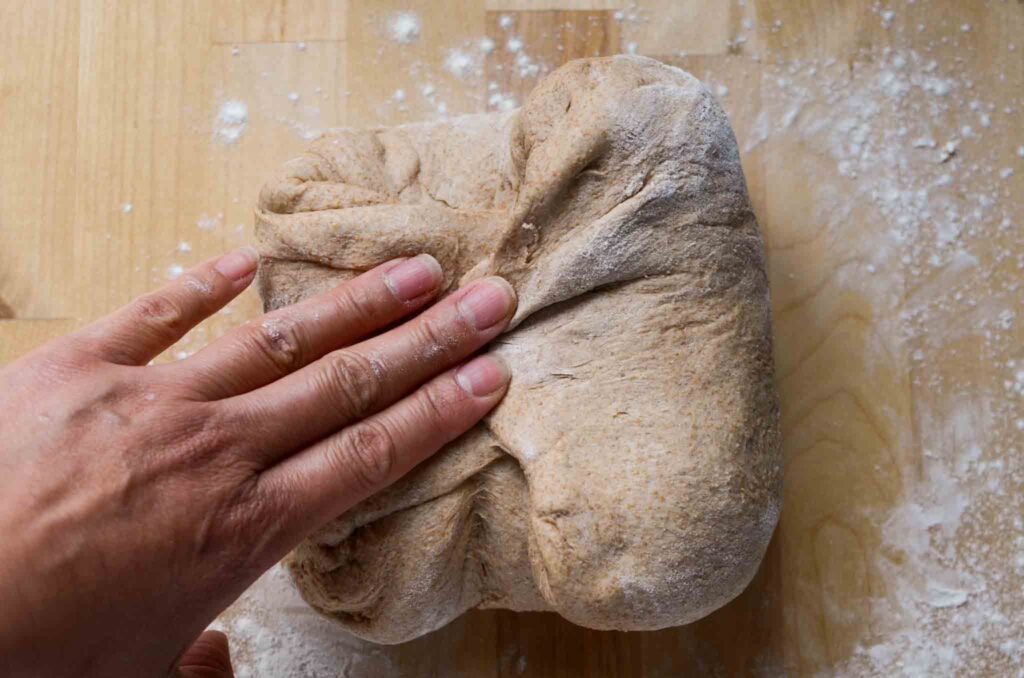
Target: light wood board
[[896, 267]]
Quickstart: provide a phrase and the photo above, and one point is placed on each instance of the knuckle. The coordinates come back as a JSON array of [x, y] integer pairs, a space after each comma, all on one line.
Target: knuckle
[[160, 311], [279, 341], [256, 501], [354, 306], [352, 381], [256, 516], [365, 453], [437, 406], [437, 339], [203, 433]]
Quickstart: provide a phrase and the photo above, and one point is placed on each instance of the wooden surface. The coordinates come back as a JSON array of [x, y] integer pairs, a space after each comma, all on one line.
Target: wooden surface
[[896, 267]]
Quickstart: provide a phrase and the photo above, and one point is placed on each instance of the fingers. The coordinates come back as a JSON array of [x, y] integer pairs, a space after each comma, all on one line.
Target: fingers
[[138, 332], [281, 342], [208, 657], [326, 479], [350, 384]]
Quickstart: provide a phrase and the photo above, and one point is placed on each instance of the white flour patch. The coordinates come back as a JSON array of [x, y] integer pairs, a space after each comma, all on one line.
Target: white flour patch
[[897, 143], [404, 27], [200, 286], [501, 102], [274, 633], [459, 63], [210, 222], [525, 66], [230, 122]]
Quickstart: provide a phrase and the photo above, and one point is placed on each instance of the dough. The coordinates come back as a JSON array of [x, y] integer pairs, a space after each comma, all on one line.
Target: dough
[[631, 477]]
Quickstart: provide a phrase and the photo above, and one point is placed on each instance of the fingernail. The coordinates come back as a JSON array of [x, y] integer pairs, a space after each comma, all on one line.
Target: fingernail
[[483, 375], [414, 277], [487, 302], [238, 264]]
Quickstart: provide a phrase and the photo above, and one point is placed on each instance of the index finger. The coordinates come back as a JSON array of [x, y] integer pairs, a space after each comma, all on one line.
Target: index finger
[[278, 343]]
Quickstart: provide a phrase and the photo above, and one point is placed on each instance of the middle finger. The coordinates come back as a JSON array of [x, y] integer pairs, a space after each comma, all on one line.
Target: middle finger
[[352, 383], [292, 337]]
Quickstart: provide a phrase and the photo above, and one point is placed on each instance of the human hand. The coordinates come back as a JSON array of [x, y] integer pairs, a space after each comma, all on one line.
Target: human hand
[[137, 501]]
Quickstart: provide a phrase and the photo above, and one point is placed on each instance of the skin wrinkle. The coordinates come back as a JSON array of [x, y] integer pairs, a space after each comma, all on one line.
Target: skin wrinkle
[[283, 346]]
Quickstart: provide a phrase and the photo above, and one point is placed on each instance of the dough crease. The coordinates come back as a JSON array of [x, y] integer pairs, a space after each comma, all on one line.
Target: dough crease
[[631, 477]]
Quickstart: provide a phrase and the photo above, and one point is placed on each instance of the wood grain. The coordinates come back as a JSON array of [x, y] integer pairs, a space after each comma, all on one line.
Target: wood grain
[[238, 21], [892, 371], [39, 53]]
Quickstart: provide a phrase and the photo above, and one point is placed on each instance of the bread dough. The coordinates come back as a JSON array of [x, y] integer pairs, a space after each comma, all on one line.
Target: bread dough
[[631, 477]]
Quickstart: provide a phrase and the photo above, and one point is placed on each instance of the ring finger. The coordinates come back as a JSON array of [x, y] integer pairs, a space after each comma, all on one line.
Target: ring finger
[[352, 383]]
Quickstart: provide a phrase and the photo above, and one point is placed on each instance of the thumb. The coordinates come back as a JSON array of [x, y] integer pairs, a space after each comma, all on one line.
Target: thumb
[[208, 657]]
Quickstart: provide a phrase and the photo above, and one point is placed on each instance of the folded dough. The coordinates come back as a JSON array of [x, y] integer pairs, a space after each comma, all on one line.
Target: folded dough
[[631, 477]]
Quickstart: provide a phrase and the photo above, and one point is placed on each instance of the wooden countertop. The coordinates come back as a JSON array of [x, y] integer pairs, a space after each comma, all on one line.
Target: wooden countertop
[[884, 148]]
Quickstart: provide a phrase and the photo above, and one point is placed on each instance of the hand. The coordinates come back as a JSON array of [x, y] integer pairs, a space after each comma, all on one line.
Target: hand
[[137, 501], [208, 657]]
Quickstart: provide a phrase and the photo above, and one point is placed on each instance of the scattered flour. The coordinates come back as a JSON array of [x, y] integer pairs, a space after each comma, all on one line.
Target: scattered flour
[[897, 136], [525, 66], [208, 222], [231, 120], [501, 102], [460, 63], [274, 633], [404, 27], [930, 217]]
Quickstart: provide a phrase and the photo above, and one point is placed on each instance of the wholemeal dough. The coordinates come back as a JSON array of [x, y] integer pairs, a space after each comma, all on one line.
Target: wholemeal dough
[[631, 477]]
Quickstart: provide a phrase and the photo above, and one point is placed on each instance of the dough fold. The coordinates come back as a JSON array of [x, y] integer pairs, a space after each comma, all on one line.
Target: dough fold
[[631, 477]]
